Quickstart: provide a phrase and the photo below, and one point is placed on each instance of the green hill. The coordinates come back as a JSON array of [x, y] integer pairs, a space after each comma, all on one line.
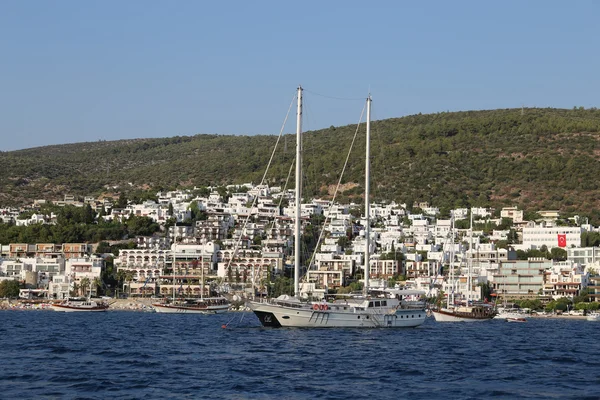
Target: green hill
[[533, 158]]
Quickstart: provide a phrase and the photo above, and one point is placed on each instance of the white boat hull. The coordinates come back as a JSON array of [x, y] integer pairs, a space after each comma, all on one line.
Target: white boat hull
[[448, 316], [169, 309], [63, 308], [274, 315], [520, 320], [512, 315]]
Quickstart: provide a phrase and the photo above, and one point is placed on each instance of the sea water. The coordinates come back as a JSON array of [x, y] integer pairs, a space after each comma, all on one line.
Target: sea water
[[126, 355]]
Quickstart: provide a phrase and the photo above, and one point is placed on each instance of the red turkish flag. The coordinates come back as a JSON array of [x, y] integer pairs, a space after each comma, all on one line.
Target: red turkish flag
[[562, 240]]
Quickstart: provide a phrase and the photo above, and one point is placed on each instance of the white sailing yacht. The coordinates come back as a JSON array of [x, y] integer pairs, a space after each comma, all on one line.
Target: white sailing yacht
[[368, 310]]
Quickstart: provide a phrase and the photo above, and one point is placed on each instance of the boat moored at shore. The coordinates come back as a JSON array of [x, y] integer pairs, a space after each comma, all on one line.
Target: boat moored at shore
[[209, 305], [471, 313], [80, 305]]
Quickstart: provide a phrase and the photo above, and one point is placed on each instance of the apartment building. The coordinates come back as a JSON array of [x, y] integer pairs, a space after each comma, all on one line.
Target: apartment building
[[519, 279]]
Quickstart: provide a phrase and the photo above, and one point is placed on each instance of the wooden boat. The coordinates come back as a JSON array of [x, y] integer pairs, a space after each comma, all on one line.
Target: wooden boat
[[472, 313], [208, 305], [80, 305]]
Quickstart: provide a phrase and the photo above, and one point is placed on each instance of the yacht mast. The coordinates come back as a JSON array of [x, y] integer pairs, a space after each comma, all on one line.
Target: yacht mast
[[451, 272], [298, 195], [367, 189], [470, 260]]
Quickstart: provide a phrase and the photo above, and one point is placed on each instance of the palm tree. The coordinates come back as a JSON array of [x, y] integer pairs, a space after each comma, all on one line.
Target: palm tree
[[98, 284], [120, 275], [84, 284], [129, 278], [75, 290]]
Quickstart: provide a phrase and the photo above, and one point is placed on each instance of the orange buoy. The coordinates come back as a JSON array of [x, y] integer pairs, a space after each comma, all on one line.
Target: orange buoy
[[224, 326], [316, 307]]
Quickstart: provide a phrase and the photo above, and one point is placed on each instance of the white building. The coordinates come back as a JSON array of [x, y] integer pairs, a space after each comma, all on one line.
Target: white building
[[584, 255], [536, 237], [77, 269], [512, 213], [564, 279]]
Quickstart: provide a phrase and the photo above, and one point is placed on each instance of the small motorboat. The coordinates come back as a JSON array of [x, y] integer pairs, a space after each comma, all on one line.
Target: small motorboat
[[516, 320], [593, 316]]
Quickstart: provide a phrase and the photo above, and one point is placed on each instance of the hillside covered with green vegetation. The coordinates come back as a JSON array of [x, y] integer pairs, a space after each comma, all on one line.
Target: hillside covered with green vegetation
[[534, 158]]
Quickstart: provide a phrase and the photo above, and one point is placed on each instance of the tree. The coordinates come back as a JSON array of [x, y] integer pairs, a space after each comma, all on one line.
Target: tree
[[343, 242], [582, 297], [505, 223], [75, 290], [103, 247], [89, 216], [558, 254], [10, 288], [143, 226], [129, 278], [122, 201], [84, 284], [282, 285], [512, 236], [486, 290], [98, 284], [590, 239]]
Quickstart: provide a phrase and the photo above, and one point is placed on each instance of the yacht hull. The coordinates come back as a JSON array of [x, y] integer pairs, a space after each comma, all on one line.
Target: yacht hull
[[170, 309], [277, 316], [66, 308], [449, 316]]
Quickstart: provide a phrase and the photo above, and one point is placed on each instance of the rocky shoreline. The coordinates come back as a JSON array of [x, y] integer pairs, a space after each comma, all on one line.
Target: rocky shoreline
[[145, 305], [114, 305]]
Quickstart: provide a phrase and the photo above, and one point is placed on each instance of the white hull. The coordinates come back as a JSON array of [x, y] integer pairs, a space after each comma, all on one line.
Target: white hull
[[505, 315], [169, 309], [66, 308], [275, 315], [449, 316], [593, 317]]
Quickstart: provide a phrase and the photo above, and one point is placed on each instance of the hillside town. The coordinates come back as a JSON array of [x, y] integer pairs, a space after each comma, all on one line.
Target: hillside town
[[245, 241]]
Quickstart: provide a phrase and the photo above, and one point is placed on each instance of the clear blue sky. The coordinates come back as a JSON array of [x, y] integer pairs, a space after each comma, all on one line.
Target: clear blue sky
[[76, 71]]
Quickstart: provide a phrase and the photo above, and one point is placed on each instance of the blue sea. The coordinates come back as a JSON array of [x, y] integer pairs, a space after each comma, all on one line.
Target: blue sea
[[132, 355]]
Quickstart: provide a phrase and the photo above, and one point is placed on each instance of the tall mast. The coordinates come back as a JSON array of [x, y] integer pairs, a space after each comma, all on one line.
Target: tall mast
[[451, 272], [470, 259], [173, 280], [202, 275], [298, 194], [367, 189]]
